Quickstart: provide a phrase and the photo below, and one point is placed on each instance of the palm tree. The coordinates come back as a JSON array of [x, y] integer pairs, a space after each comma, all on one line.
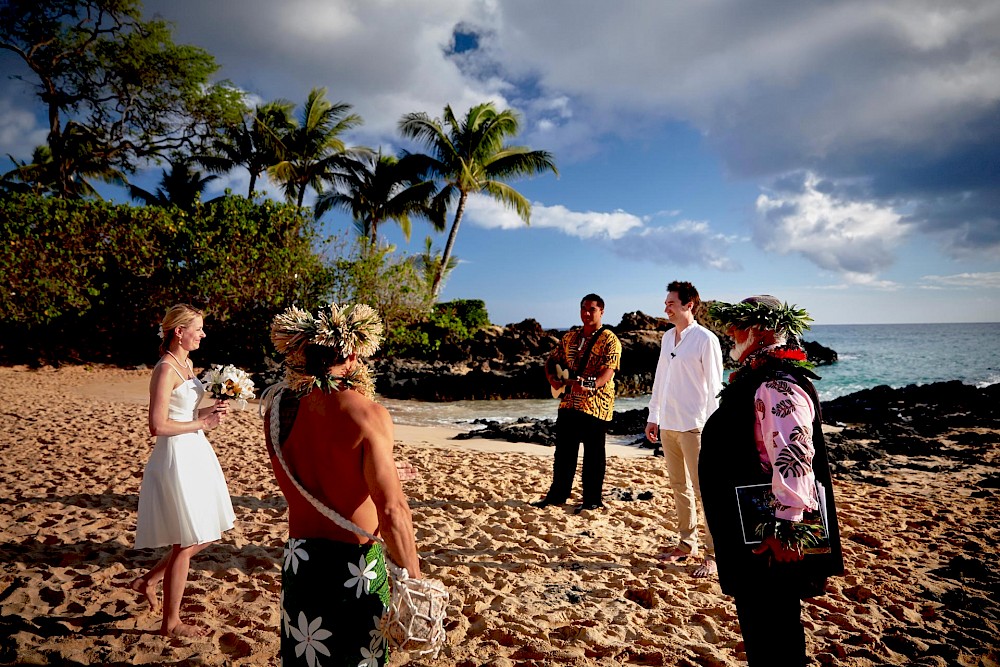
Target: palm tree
[[254, 143], [375, 188], [78, 159], [312, 149], [429, 263], [180, 186], [471, 156]]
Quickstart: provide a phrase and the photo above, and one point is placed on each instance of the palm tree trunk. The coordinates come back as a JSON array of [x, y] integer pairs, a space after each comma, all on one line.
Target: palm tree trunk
[[302, 194], [253, 182], [446, 255]]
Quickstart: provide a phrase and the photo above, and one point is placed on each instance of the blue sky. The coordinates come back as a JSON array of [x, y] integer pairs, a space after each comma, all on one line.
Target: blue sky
[[841, 155]]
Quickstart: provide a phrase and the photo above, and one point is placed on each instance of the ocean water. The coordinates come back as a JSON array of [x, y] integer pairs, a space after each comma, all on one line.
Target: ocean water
[[902, 354], [869, 355]]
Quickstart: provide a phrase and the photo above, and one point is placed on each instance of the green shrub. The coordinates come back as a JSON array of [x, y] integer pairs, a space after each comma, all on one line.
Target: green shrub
[[409, 341], [389, 282], [470, 312], [450, 323], [90, 280]]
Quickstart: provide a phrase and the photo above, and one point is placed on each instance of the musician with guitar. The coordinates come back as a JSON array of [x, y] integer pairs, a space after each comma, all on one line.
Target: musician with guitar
[[581, 373]]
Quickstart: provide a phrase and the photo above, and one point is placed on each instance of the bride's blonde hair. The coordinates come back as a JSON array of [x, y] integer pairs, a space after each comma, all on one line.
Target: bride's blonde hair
[[179, 315]]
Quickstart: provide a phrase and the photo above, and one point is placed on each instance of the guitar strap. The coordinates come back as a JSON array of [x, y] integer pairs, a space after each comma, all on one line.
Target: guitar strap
[[581, 363]]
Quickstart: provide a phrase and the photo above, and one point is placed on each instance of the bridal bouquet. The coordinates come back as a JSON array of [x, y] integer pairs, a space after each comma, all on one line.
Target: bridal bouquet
[[228, 383]]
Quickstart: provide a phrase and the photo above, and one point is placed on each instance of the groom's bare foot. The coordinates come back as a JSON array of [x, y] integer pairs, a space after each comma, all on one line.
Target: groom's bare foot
[[147, 588], [184, 630]]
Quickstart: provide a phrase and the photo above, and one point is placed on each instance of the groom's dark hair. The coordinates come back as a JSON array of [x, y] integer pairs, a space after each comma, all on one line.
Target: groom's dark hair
[[685, 292]]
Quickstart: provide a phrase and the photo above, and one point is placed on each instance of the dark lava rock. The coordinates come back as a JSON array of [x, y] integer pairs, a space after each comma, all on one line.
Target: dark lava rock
[[931, 409], [912, 421], [629, 422], [525, 429], [819, 354], [508, 362], [640, 321]]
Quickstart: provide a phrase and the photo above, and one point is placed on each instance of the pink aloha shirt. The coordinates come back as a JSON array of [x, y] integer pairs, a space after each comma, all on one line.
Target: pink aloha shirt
[[785, 413]]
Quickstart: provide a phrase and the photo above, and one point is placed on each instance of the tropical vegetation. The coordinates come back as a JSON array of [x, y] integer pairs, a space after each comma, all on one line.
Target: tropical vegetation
[[116, 89], [120, 98]]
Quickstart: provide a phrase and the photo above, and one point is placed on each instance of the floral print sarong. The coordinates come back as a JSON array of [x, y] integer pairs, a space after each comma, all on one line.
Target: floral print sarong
[[332, 597]]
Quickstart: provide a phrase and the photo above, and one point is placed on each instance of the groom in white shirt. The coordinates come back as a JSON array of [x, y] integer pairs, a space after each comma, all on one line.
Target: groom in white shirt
[[685, 393]]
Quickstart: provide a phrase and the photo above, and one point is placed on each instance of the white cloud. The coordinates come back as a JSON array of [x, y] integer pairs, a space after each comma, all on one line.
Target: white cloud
[[20, 132], [989, 280], [685, 243], [383, 58], [855, 239], [902, 93], [854, 282], [809, 82], [485, 212]]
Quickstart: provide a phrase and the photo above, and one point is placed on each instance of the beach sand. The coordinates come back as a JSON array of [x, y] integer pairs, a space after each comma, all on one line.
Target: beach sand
[[528, 586]]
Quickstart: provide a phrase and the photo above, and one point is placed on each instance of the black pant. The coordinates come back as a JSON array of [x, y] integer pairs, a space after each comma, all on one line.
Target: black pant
[[771, 623], [572, 428]]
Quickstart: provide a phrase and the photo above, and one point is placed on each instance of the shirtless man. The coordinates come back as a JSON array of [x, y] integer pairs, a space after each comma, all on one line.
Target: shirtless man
[[338, 444]]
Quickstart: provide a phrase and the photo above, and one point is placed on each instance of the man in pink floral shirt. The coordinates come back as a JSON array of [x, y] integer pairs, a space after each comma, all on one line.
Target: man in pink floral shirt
[[765, 481], [786, 414]]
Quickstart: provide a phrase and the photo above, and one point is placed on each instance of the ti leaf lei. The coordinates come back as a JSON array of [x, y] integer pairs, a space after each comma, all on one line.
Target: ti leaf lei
[[359, 379], [794, 536]]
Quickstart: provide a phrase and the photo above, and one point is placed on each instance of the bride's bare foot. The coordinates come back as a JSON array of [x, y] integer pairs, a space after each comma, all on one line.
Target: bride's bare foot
[[147, 588], [184, 630]]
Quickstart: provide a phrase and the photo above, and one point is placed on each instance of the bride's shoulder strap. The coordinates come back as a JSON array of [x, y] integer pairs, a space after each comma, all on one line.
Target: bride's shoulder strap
[[172, 367]]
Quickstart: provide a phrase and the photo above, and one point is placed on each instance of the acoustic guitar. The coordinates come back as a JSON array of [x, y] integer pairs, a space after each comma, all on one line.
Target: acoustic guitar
[[588, 383]]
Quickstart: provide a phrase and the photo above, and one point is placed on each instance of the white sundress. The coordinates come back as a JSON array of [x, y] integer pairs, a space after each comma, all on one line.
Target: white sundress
[[184, 498]]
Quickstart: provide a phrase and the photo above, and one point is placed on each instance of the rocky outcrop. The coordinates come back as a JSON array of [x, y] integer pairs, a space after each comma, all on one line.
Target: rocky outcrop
[[543, 431], [886, 427], [880, 429], [508, 362], [819, 354]]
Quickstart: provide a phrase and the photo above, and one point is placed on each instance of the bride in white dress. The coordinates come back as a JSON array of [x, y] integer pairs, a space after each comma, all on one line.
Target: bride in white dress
[[184, 502]]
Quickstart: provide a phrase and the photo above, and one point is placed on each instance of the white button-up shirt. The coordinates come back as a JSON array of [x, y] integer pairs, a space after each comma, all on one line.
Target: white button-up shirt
[[688, 379]]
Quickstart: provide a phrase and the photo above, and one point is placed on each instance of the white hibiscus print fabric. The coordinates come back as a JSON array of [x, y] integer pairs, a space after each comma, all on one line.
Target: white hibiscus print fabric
[[332, 599], [310, 636], [362, 575], [369, 657], [294, 552]]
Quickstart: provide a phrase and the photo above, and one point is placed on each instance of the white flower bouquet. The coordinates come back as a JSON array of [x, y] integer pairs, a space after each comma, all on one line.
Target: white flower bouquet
[[228, 383]]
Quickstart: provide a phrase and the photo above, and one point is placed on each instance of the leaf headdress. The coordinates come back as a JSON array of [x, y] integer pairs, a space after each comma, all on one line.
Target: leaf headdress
[[763, 312], [348, 330]]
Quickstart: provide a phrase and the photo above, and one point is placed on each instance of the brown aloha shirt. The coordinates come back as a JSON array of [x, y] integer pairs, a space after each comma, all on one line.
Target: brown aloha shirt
[[606, 353]]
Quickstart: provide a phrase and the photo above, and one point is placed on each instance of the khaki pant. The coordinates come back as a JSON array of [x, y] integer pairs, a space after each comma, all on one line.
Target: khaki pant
[[680, 450]]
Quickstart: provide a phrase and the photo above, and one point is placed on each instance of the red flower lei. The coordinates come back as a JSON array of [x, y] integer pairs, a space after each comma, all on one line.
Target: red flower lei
[[796, 355]]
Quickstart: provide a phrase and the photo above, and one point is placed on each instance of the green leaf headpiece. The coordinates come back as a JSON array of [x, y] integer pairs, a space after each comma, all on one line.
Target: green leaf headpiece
[[764, 312]]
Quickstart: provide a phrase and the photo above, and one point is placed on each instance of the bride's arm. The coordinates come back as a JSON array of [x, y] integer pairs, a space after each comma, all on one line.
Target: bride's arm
[[220, 406]]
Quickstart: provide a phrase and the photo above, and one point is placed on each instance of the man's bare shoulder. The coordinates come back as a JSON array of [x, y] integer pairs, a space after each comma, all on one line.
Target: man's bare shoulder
[[364, 411]]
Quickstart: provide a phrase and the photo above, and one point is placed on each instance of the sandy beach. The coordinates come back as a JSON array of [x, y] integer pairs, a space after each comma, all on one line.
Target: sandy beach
[[528, 586]]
